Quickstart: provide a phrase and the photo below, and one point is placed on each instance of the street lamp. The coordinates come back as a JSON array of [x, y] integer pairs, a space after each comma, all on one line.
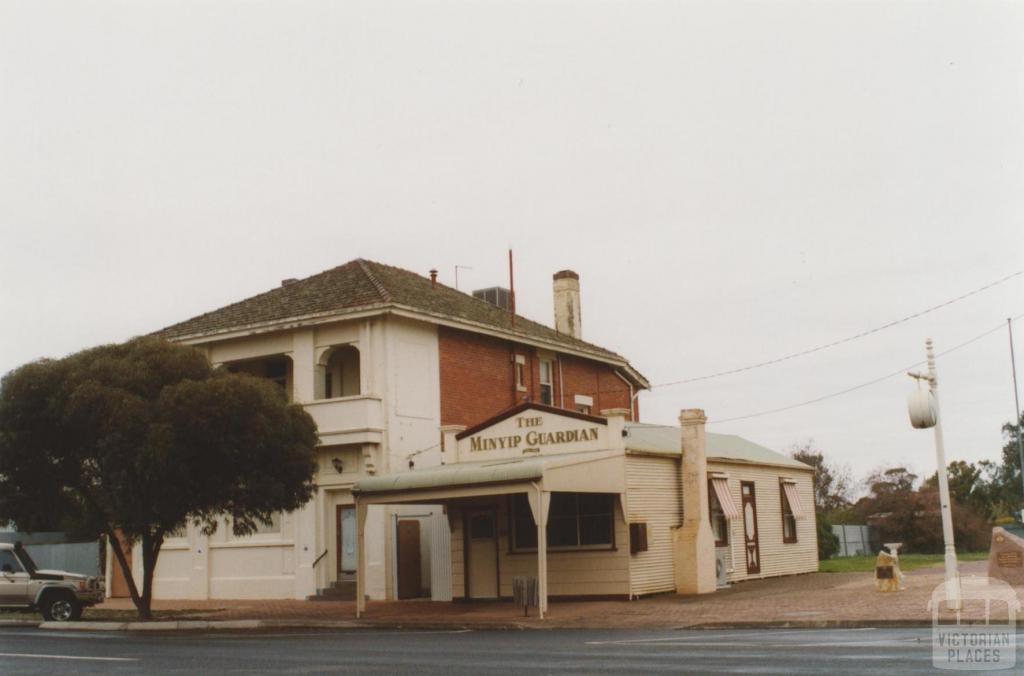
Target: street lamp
[[924, 413]]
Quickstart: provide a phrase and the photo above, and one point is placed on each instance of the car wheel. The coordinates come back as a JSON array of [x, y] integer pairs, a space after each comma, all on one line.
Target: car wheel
[[60, 608]]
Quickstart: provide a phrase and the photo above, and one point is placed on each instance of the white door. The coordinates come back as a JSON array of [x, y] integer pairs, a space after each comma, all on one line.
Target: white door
[[482, 558]]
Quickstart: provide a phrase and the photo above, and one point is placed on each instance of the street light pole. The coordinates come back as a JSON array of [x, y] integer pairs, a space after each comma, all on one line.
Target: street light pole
[[952, 571], [1016, 410]]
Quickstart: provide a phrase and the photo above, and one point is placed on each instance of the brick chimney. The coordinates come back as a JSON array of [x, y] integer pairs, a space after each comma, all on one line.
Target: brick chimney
[[567, 303], [693, 541]]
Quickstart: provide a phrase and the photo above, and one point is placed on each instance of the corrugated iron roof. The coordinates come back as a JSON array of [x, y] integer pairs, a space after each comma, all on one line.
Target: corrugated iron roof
[[723, 447]]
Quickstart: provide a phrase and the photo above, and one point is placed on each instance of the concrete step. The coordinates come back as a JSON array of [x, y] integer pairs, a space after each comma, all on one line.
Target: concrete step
[[344, 590]]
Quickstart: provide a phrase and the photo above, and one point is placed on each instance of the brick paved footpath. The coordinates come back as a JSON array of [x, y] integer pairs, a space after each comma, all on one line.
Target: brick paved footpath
[[818, 598]]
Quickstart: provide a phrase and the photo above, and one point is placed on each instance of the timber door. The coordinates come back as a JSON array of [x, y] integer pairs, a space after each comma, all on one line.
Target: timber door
[[409, 559], [481, 554], [345, 518], [750, 537]]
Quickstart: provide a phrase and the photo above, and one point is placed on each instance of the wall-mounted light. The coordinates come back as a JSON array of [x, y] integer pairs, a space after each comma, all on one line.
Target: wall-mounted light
[[339, 466]]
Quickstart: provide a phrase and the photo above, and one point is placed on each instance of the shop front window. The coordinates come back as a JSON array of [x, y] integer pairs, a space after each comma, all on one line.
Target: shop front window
[[575, 521]]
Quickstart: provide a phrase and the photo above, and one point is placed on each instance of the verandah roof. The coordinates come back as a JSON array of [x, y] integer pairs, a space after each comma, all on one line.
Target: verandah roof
[[594, 471]]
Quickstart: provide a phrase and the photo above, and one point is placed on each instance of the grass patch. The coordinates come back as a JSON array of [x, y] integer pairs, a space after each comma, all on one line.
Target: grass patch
[[866, 564]]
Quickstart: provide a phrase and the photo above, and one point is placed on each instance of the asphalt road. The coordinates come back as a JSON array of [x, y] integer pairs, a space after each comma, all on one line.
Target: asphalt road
[[810, 651]]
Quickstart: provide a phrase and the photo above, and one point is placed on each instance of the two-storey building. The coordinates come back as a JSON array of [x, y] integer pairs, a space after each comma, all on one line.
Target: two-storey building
[[462, 445], [384, 360]]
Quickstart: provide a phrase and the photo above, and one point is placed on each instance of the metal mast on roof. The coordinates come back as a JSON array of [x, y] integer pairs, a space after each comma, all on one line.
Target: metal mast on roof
[[511, 289]]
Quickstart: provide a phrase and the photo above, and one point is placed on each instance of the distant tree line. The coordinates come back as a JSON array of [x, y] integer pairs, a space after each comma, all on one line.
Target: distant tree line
[[903, 508]]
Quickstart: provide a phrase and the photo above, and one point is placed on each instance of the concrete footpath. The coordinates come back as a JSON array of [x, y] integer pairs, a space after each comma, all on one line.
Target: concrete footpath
[[836, 600]]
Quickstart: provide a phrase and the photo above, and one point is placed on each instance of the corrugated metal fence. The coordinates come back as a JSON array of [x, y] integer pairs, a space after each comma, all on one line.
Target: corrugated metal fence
[[48, 552], [854, 540]]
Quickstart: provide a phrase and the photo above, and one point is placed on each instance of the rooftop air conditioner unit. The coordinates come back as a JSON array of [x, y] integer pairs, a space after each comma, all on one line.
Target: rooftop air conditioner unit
[[496, 296]]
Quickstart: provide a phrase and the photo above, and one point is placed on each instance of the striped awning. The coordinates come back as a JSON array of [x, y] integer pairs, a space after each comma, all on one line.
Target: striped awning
[[795, 505], [721, 487]]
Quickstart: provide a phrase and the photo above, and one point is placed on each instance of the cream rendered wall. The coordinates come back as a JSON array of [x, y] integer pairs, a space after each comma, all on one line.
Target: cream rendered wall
[[222, 565], [655, 497], [281, 565], [411, 392], [334, 489], [399, 363], [777, 557], [570, 573]]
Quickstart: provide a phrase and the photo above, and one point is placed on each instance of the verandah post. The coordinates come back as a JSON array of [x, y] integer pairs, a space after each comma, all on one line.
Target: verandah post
[[539, 503]]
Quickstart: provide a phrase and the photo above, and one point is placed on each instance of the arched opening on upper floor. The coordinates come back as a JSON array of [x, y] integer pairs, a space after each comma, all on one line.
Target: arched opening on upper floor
[[341, 372]]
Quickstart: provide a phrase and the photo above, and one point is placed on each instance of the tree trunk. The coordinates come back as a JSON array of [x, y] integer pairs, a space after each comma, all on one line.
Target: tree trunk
[[146, 601], [150, 551], [150, 545], [133, 591]]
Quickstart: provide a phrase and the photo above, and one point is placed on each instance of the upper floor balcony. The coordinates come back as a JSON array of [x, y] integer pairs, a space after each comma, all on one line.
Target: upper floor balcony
[[356, 419], [331, 389]]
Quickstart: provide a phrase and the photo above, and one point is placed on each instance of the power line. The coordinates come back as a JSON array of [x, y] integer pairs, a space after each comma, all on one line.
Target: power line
[[862, 385], [848, 339]]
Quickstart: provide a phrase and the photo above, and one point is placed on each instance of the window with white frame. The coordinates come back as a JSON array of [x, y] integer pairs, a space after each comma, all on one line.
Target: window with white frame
[[547, 387], [788, 518], [520, 366], [719, 522]]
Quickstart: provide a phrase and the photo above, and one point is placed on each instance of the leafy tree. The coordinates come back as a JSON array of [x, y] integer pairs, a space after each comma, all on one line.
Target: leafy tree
[[831, 493], [1006, 490], [967, 486], [892, 483], [902, 513], [832, 483], [828, 541], [139, 439]]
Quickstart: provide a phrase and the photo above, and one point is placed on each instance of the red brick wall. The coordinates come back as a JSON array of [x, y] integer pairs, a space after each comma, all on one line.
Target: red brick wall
[[595, 380], [477, 378]]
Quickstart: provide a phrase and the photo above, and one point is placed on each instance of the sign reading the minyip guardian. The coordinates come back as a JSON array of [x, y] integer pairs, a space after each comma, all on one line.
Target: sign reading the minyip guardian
[[527, 434]]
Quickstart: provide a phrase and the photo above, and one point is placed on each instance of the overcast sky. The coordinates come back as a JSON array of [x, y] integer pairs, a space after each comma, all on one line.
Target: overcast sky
[[733, 182]]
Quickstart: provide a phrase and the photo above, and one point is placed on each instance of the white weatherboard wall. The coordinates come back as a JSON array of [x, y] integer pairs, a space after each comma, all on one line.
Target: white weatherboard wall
[[777, 557], [655, 497]]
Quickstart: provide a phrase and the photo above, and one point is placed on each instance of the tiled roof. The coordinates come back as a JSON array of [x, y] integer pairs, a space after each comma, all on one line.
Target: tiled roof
[[361, 284]]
